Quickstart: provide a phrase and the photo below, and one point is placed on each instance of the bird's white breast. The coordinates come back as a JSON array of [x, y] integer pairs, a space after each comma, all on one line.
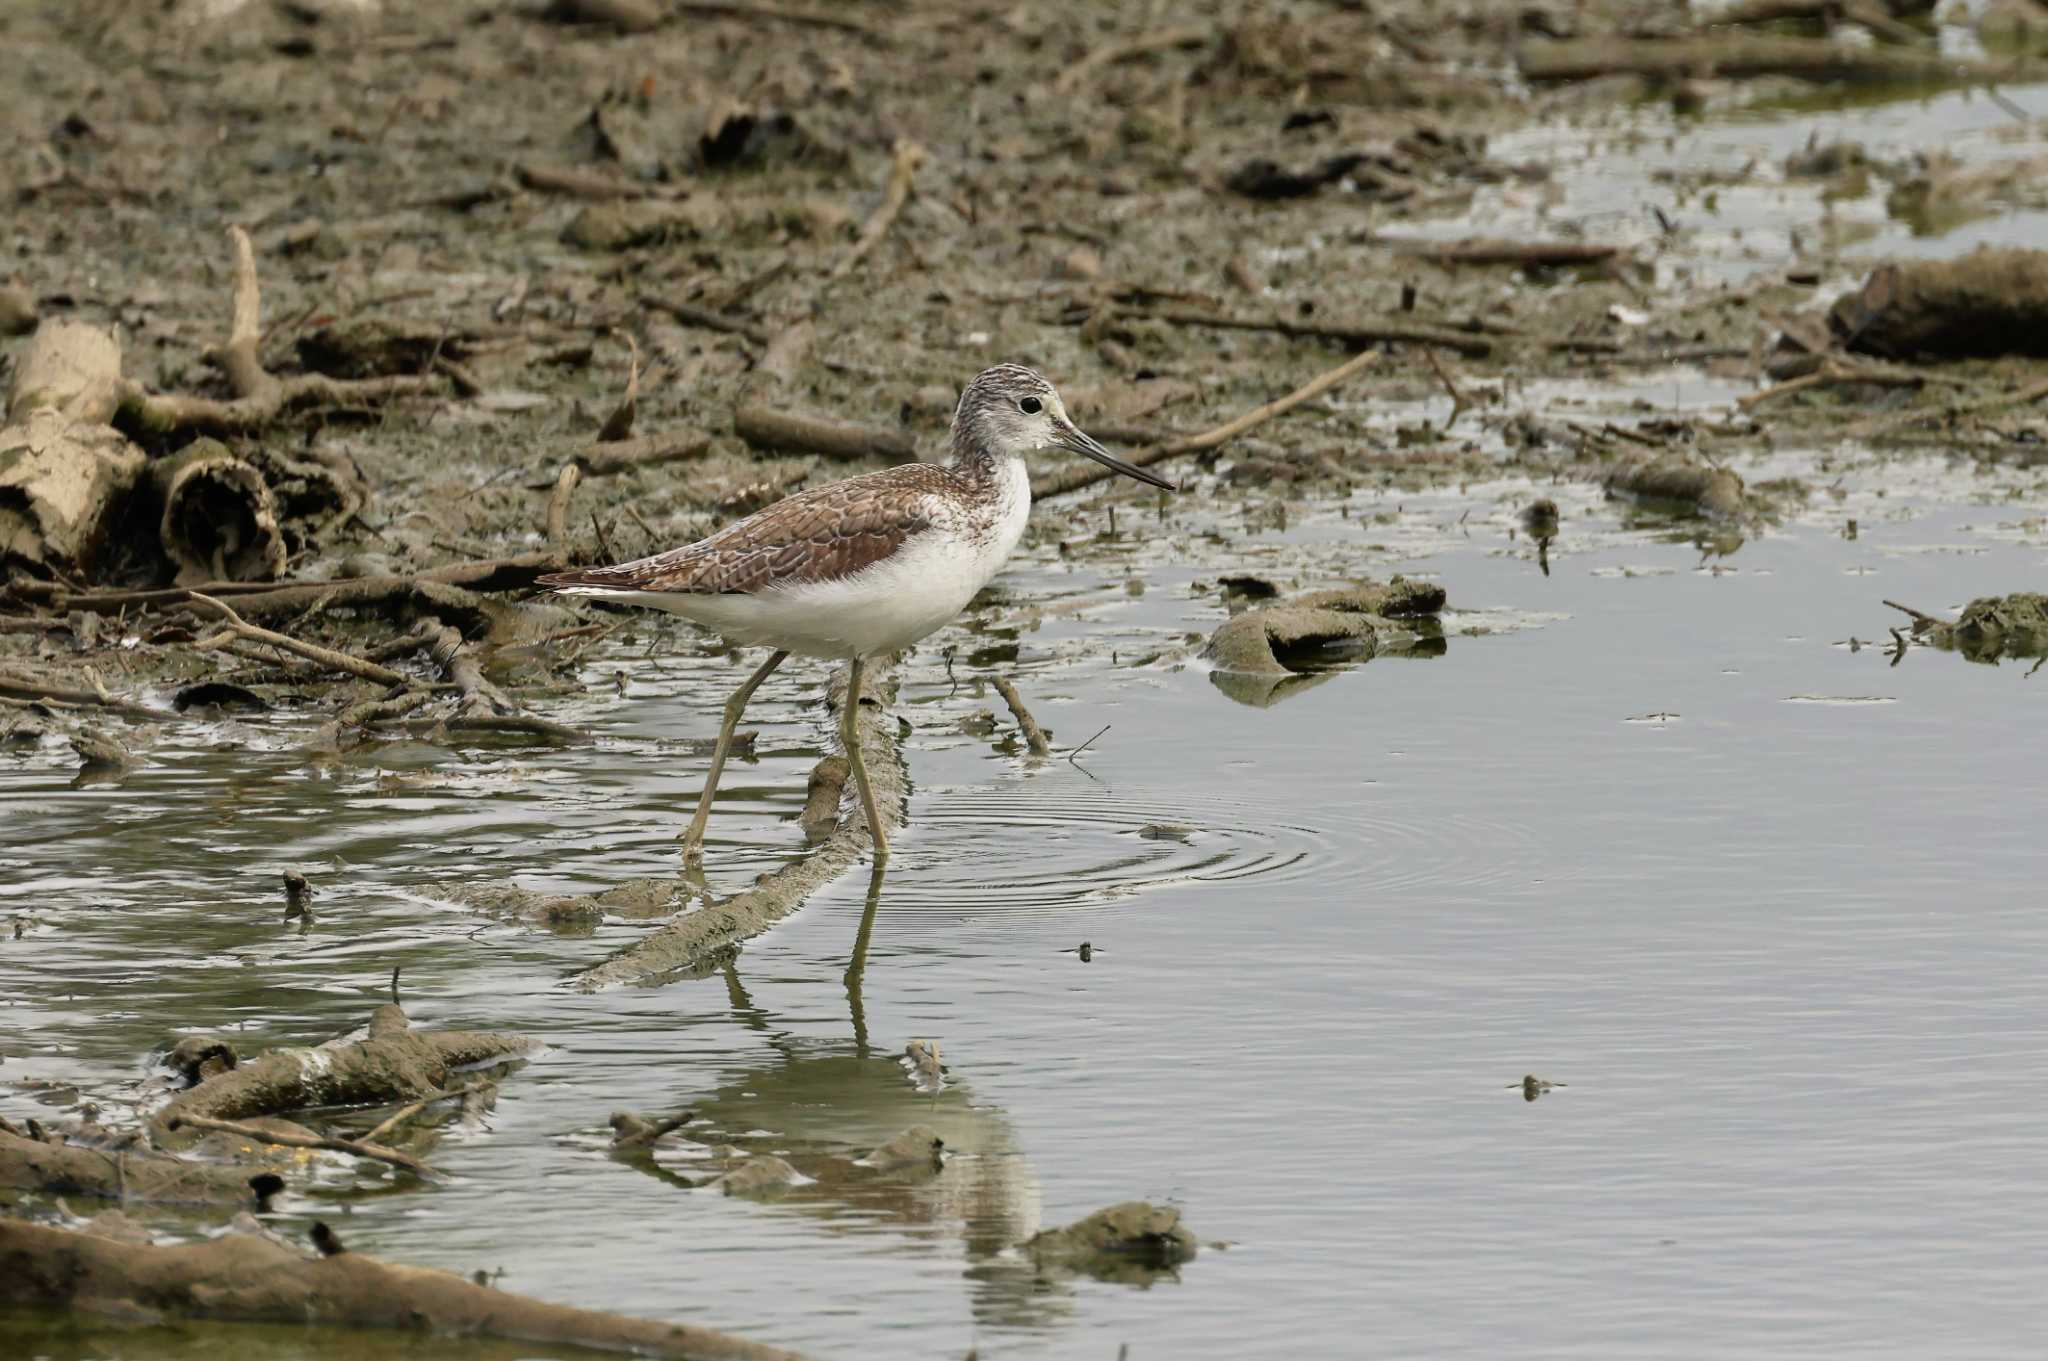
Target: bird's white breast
[[912, 593]]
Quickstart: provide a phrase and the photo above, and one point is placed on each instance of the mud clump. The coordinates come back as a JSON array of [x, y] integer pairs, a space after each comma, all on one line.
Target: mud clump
[[1280, 640], [1130, 1243]]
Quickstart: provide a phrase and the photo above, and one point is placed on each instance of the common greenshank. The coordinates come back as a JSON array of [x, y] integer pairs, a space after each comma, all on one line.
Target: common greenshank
[[862, 567]]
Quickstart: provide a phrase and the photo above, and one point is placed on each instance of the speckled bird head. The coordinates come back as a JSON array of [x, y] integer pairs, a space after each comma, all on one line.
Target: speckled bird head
[[1010, 411]]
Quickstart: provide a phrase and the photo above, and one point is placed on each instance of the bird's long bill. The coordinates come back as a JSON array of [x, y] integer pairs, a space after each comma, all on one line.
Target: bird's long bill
[[1071, 438]]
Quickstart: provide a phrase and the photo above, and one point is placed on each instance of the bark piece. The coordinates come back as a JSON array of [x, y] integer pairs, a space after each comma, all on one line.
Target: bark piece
[[64, 485], [219, 522]]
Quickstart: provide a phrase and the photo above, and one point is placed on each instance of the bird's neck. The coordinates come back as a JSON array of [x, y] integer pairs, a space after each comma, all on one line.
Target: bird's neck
[[976, 461]]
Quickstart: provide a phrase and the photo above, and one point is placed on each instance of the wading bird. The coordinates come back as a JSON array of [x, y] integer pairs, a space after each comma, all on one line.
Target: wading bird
[[864, 567]]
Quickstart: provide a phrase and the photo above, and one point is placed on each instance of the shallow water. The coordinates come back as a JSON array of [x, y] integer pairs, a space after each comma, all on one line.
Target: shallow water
[[1649, 827]]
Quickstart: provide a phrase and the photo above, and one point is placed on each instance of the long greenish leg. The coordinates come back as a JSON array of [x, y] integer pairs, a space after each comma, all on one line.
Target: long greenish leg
[[849, 732], [693, 835]]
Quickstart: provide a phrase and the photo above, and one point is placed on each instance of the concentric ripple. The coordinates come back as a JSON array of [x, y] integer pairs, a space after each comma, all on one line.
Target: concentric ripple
[[1065, 848]]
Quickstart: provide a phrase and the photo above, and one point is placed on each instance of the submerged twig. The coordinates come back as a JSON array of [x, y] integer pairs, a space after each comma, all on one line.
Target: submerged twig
[[1034, 736], [358, 1148]]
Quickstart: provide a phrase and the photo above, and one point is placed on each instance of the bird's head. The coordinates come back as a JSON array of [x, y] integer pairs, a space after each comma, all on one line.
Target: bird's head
[[1010, 411]]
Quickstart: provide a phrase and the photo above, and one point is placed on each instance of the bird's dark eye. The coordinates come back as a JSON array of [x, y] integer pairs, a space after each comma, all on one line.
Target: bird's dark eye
[[1031, 406]]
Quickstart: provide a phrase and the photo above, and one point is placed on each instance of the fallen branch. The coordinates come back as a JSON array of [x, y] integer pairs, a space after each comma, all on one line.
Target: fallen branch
[[780, 431], [557, 524], [1360, 332], [1034, 736], [692, 315], [360, 1148], [1737, 58], [1527, 254], [14, 686], [909, 156], [574, 183], [1833, 373], [238, 627], [66, 1169], [619, 424], [427, 589], [1074, 478], [648, 451], [259, 397], [246, 1277], [393, 1063]]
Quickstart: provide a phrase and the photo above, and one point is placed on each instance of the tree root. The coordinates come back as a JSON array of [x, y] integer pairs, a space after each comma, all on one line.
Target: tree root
[[247, 1277], [260, 398]]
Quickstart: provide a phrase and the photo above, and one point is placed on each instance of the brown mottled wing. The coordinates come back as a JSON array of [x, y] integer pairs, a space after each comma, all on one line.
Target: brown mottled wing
[[818, 535]]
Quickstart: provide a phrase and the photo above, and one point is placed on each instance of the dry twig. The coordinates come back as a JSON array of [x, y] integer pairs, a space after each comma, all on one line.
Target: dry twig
[[1073, 479], [909, 156], [238, 627]]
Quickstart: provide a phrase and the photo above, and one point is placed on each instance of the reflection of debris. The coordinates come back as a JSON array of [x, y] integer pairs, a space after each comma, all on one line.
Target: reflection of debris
[[926, 1070], [1131, 1243], [915, 1149], [759, 1176]]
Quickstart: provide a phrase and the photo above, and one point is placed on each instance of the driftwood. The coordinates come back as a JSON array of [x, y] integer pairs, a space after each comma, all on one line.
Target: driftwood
[[1989, 628], [360, 1148], [14, 685], [1989, 302], [64, 475], [219, 521], [779, 431], [126, 1175], [393, 1063], [259, 397], [251, 1277], [647, 451]]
